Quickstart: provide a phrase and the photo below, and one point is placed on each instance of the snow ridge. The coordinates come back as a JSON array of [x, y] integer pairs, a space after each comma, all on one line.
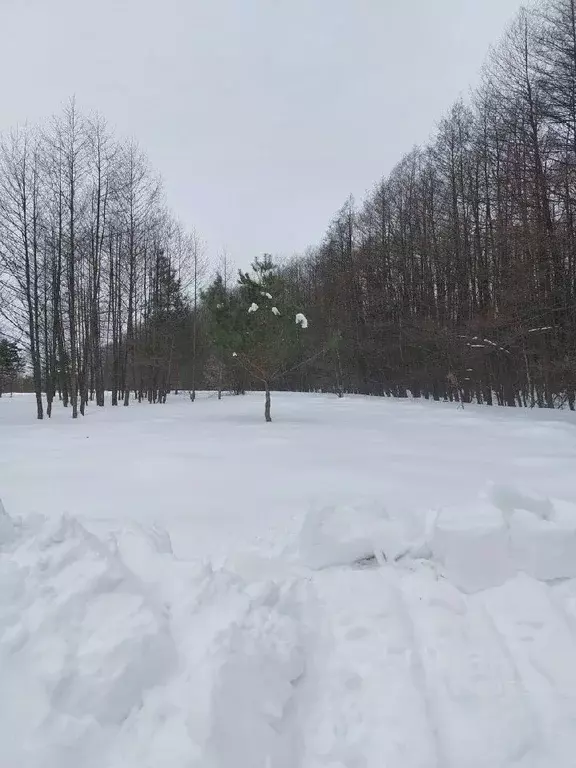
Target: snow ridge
[[419, 640], [81, 641], [163, 663]]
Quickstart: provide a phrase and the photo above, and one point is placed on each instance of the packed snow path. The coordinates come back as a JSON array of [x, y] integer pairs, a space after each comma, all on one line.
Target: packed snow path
[[251, 621]]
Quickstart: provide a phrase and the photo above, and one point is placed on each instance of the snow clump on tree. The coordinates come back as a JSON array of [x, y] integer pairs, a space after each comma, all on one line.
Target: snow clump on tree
[[301, 320]]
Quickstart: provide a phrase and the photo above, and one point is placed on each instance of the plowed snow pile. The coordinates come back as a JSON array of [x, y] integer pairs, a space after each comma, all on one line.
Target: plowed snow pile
[[361, 584]]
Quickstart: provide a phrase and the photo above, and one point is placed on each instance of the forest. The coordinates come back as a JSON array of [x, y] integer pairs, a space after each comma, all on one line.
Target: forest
[[455, 279]]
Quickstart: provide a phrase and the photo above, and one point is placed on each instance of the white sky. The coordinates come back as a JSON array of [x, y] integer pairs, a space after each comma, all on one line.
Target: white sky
[[261, 115]]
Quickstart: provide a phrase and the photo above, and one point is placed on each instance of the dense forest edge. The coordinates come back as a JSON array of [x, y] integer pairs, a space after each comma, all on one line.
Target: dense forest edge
[[455, 279]]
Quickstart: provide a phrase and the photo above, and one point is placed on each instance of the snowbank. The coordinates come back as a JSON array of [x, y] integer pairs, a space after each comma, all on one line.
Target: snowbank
[[351, 533], [160, 663], [514, 531], [402, 621], [263, 667], [473, 545], [541, 548], [479, 545], [80, 643], [116, 653]]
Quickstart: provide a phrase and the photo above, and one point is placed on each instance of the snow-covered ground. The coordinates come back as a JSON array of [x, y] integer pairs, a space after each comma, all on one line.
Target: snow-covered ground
[[363, 583]]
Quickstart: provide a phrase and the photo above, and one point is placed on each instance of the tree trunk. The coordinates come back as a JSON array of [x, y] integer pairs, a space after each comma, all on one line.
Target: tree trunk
[[267, 415]]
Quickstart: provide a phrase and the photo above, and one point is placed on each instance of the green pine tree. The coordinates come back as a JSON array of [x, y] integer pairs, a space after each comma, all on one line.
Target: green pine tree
[[255, 327], [11, 363]]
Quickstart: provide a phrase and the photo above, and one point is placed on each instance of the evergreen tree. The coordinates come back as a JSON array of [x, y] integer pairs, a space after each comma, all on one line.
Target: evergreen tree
[[217, 301], [11, 363], [255, 326]]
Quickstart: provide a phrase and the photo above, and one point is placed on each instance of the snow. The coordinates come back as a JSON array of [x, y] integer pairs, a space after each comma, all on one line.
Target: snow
[[275, 311], [542, 548], [364, 582], [253, 307], [266, 294], [301, 320], [466, 543], [343, 534]]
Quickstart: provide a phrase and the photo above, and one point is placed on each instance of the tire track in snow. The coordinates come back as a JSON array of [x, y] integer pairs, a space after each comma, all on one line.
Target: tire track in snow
[[364, 707], [563, 597], [419, 670], [477, 703], [541, 641]]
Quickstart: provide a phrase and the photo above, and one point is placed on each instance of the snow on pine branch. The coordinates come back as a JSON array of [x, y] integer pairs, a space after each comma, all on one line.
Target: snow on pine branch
[[301, 320], [276, 311], [253, 307]]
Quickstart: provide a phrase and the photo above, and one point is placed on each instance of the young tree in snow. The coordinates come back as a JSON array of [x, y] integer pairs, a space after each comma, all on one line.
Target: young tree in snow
[[255, 327]]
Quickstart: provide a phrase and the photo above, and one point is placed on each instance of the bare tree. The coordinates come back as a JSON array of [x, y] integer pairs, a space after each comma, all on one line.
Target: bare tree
[[20, 237]]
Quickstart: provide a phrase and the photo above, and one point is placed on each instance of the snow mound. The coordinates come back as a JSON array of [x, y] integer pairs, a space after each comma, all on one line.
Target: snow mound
[[80, 644], [509, 499], [351, 533], [478, 545], [542, 533], [543, 549], [263, 664], [117, 654], [241, 662], [506, 532], [147, 552], [472, 543]]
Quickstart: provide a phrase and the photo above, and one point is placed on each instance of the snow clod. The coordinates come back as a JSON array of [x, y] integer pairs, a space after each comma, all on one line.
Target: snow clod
[[467, 540]]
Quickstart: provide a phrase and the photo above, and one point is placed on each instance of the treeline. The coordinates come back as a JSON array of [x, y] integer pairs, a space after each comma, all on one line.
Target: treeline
[[456, 278], [95, 273]]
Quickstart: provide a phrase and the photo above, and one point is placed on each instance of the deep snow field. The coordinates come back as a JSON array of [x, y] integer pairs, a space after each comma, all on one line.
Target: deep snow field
[[363, 583]]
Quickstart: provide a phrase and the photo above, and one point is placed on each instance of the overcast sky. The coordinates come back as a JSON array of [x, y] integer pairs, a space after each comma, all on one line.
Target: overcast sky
[[261, 115]]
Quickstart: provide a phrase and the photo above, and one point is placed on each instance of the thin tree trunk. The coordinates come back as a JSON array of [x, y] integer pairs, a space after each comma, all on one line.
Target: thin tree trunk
[[267, 415]]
